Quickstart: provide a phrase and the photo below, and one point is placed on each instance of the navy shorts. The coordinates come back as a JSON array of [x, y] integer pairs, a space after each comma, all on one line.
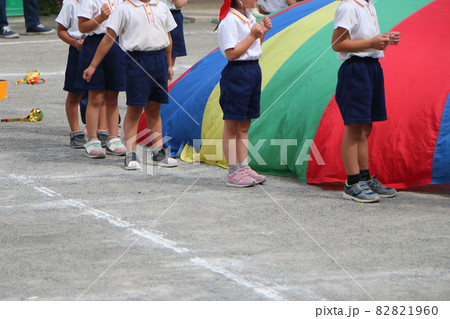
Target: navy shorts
[[109, 75], [240, 90], [178, 44], [147, 74], [72, 71], [360, 91]]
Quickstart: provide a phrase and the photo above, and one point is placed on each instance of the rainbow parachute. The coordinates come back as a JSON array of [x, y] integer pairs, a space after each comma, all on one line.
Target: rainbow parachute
[[300, 129]]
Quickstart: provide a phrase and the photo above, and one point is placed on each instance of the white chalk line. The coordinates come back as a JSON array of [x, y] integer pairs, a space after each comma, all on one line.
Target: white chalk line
[[258, 288], [29, 42], [318, 244], [42, 74]]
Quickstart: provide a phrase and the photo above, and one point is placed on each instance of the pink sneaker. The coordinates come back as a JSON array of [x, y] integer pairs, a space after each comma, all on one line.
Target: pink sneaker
[[94, 149], [259, 179], [240, 178], [115, 147]]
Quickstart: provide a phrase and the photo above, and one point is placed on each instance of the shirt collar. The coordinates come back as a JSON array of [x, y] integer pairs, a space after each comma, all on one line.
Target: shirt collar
[[363, 3], [239, 15], [138, 3]]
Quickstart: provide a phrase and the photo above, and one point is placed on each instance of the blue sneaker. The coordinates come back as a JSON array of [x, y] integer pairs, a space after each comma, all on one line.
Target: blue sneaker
[[77, 139], [360, 192], [380, 189], [7, 33], [39, 29]]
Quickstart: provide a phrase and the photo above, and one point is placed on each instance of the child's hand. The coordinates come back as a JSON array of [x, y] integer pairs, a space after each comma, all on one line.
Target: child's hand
[[394, 37], [266, 24], [87, 74], [79, 44], [170, 74], [106, 11], [257, 30], [380, 42]]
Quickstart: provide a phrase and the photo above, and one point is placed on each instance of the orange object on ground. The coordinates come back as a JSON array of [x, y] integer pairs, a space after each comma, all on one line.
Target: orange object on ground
[[3, 90]]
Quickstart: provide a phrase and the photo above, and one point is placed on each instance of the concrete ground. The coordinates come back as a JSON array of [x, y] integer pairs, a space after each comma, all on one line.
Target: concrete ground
[[72, 228]]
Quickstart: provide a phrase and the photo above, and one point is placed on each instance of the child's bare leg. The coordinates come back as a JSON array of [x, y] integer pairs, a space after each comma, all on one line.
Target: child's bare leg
[[229, 141], [350, 148], [154, 123], [130, 127], [242, 141], [72, 101], [363, 147], [102, 124], [112, 113], [95, 102]]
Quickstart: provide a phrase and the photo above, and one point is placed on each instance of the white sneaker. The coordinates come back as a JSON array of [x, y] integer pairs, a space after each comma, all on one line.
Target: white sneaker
[[161, 158], [115, 147], [132, 162], [94, 149]]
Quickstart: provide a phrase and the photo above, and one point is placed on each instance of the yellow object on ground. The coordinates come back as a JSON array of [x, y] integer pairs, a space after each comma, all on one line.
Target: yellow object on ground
[[31, 78]]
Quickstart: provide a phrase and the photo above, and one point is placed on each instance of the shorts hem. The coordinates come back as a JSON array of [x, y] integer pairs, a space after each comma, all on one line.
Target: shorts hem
[[364, 121], [73, 90], [146, 104], [240, 118], [98, 89], [137, 105], [176, 55]]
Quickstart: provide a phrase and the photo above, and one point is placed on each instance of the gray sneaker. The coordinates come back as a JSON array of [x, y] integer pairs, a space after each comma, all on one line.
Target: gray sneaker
[[161, 158], [103, 138], [360, 192], [77, 139], [132, 162], [380, 189]]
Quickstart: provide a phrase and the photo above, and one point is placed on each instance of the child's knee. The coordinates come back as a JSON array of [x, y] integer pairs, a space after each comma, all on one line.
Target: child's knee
[[133, 113], [153, 110]]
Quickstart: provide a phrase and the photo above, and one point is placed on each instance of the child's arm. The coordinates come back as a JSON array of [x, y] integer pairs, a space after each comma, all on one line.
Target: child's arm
[[180, 3], [103, 48], [255, 33], [341, 43], [169, 57], [86, 25], [64, 35], [291, 2]]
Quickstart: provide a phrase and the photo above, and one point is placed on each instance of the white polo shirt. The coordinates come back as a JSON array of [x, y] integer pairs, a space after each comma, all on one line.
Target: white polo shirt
[[270, 6], [142, 26], [91, 8], [233, 29], [359, 17], [68, 18]]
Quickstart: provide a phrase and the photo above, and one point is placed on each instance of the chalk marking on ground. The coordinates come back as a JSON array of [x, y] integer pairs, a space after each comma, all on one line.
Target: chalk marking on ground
[[318, 244], [30, 42], [258, 288], [42, 74]]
